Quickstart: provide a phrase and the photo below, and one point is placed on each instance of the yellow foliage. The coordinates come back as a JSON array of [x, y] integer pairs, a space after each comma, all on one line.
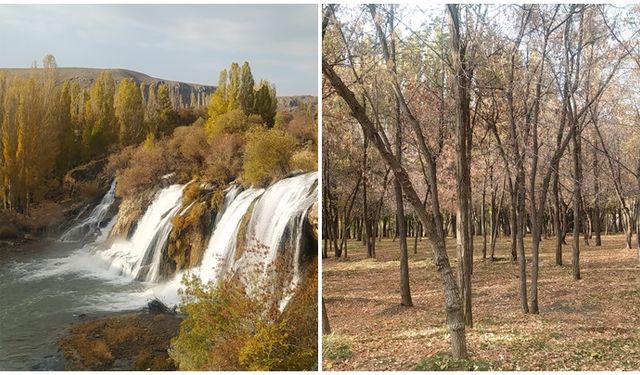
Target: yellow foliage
[[267, 155], [227, 329], [232, 122], [267, 348], [305, 160]]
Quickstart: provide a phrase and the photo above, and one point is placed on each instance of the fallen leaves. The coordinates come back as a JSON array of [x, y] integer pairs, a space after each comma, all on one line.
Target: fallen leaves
[[585, 325]]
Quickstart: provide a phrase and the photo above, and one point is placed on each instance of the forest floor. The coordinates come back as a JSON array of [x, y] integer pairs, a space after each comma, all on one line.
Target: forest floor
[[590, 324]]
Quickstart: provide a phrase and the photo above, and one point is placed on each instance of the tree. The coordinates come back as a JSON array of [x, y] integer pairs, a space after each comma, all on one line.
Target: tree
[[245, 92], [267, 155], [166, 113], [430, 220], [69, 150], [219, 101], [130, 113], [462, 77], [233, 89], [265, 103], [100, 129]]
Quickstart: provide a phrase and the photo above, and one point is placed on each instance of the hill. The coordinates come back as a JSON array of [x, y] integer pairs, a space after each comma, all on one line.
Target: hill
[[182, 94]]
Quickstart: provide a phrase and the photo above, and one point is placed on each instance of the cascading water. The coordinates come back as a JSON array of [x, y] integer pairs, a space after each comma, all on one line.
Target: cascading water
[[277, 224], [220, 253], [252, 230], [140, 256], [94, 222]]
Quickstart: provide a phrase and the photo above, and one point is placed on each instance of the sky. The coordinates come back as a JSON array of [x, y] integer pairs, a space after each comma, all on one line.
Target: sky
[[189, 43]]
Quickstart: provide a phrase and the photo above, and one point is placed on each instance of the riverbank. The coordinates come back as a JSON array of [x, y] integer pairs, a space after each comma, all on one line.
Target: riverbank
[[123, 341]]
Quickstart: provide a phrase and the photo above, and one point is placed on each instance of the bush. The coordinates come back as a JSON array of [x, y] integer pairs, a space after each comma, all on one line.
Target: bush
[[188, 148], [445, 362], [232, 122], [227, 328], [305, 160], [218, 321], [45, 215], [224, 162], [336, 348], [303, 128], [146, 167], [267, 156]]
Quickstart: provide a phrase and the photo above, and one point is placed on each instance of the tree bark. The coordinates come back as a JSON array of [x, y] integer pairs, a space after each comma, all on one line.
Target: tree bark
[[577, 202], [463, 166]]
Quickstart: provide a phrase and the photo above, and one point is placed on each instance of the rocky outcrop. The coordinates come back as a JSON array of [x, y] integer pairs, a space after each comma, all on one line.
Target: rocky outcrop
[[191, 228], [130, 210], [91, 173], [312, 217]]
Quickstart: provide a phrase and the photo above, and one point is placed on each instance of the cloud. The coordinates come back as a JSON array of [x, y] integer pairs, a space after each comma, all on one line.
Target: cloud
[[164, 38]]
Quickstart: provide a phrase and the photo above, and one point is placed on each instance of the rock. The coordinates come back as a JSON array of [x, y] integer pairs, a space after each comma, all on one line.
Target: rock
[[312, 216], [91, 171], [129, 211], [156, 306], [121, 342]]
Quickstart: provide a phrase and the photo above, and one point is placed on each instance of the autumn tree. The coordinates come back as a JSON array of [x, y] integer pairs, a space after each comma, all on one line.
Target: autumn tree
[[100, 128], [129, 112]]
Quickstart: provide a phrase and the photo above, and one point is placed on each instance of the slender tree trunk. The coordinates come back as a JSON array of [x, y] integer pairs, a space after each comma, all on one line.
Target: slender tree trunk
[[596, 200], [522, 261], [365, 206], [405, 290], [483, 223], [577, 202], [463, 163], [513, 221], [556, 217]]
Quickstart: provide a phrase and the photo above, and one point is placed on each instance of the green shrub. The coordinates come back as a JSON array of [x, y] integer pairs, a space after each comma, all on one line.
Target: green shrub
[[231, 122], [445, 362], [267, 155]]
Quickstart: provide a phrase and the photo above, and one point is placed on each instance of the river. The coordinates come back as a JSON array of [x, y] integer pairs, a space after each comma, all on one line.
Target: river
[[44, 287]]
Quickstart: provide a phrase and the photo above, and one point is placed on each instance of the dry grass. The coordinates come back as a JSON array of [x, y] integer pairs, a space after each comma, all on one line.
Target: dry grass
[[591, 324]]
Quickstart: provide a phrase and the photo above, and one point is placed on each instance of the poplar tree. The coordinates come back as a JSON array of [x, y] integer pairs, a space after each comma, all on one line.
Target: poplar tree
[[233, 89], [245, 94], [165, 108], [218, 104], [266, 103], [129, 112], [100, 126]]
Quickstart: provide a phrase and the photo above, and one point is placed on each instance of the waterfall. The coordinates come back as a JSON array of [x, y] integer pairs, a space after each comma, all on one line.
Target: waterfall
[[253, 230], [277, 224], [274, 227], [219, 255], [140, 256], [91, 224]]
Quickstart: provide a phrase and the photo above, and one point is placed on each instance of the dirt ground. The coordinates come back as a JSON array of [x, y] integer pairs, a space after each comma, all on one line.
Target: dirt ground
[[590, 324]]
